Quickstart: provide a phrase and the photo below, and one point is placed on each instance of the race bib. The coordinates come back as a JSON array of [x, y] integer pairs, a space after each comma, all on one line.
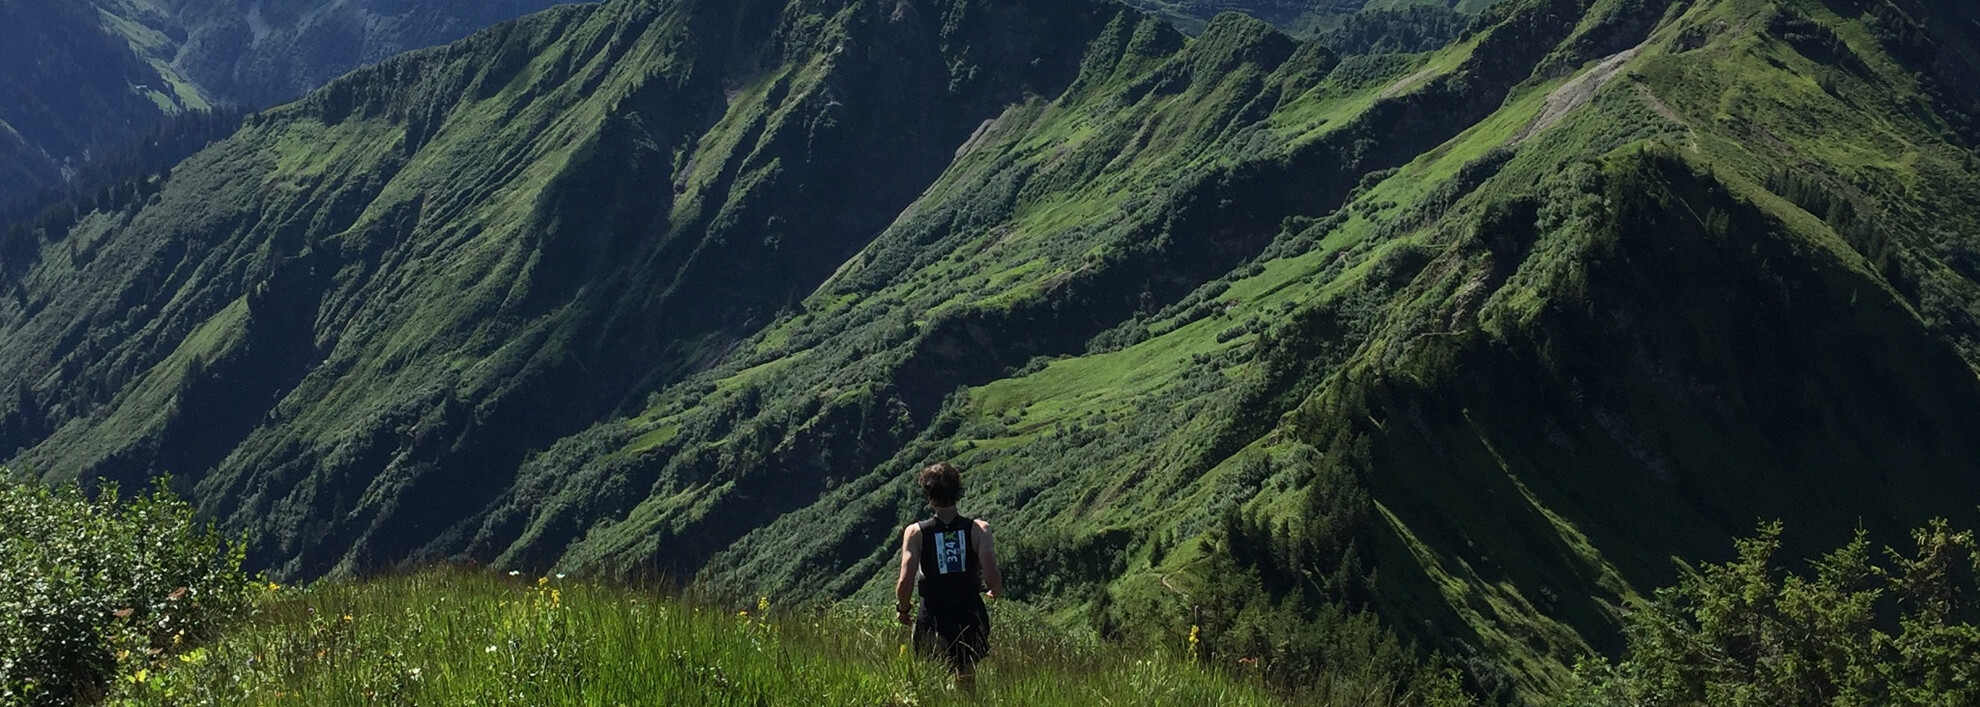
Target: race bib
[[949, 549]]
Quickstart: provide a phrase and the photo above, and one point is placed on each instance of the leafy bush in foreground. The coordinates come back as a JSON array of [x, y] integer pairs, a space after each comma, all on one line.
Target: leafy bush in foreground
[[1852, 633], [94, 589]]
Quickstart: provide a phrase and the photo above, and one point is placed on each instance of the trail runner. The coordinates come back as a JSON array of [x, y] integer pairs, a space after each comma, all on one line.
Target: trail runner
[[954, 559]]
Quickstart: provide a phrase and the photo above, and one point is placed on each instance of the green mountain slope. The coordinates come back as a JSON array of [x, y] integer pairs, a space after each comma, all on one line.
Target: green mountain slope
[[89, 78], [566, 202], [1477, 338], [1305, 17], [73, 88], [275, 50]]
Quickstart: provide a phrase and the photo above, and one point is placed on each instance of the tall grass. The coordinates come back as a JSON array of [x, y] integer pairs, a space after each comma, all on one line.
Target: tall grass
[[456, 637], [119, 601]]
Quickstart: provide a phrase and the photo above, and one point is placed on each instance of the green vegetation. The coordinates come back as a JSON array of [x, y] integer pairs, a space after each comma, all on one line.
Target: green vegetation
[[132, 602], [1408, 29], [74, 93], [443, 637], [97, 77], [93, 591], [1850, 631], [1373, 25], [1437, 357], [1740, 633]]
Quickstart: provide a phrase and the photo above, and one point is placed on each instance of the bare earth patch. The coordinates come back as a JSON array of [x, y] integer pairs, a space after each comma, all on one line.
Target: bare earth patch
[[1576, 93], [1406, 83]]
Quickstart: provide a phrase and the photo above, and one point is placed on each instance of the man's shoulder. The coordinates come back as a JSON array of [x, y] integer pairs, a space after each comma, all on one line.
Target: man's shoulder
[[983, 525]]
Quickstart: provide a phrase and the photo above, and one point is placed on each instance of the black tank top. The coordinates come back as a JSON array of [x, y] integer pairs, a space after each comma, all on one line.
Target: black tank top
[[951, 574]]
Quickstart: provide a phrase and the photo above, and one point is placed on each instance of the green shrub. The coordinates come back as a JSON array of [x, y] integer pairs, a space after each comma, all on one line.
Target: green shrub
[[1853, 632], [94, 590]]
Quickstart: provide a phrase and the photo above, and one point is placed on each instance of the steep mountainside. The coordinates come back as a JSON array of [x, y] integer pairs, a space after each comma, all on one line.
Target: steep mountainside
[[86, 78], [1478, 338], [1300, 17], [270, 51], [70, 88], [578, 207]]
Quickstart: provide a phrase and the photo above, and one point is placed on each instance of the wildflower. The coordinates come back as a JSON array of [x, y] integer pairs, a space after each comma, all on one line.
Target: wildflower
[[1194, 638], [515, 573], [347, 618], [763, 605], [490, 649], [560, 575], [273, 587], [540, 581]]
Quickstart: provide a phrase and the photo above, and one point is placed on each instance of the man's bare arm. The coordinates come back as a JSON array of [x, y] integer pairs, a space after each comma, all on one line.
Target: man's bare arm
[[910, 561], [986, 555]]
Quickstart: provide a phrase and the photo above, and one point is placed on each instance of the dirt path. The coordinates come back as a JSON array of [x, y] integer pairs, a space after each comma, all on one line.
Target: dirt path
[[1650, 98], [1657, 104]]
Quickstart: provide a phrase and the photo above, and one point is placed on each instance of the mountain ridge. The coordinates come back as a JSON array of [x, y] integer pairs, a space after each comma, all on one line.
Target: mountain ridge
[[99, 75], [1475, 338]]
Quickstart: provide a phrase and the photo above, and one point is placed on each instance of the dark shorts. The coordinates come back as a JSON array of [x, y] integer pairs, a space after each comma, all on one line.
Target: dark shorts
[[959, 636]]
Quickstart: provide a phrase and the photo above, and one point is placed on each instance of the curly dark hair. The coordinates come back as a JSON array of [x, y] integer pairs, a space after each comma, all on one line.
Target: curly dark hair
[[941, 482]]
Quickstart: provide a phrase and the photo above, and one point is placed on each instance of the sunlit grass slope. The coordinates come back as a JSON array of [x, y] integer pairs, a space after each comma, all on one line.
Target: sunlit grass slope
[[478, 249], [466, 638]]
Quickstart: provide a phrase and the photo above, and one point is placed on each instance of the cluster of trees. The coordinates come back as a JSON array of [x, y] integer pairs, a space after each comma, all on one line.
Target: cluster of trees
[[1290, 597], [1814, 195], [121, 180], [1405, 30], [1947, 75], [1850, 631]]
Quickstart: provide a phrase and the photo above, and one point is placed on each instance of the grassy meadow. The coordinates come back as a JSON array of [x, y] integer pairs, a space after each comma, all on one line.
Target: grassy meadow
[[115, 599], [109, 600], [460, 637]]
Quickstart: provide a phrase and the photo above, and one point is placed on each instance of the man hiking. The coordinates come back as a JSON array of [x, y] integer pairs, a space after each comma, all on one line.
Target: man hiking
[[955, 560]]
